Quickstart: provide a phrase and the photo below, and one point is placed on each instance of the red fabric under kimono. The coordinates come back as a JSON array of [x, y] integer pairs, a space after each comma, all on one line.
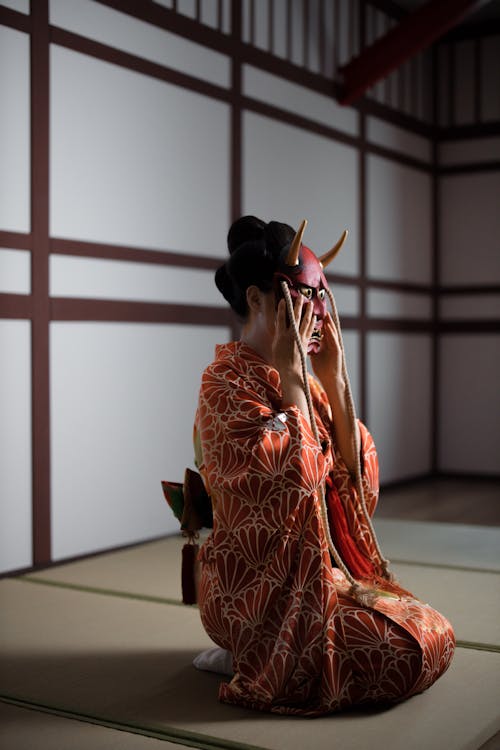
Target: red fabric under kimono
[[269, 593]]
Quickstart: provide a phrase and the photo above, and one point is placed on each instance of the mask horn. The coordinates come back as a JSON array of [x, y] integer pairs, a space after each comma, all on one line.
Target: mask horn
[[293, 253], [330, 255]]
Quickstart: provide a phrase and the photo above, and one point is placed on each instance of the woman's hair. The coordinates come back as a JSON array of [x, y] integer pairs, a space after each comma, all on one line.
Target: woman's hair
[[256, 252]]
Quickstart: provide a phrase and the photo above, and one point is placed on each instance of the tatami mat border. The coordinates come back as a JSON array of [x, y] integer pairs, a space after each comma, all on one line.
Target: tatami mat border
[[105, 592], [478, 646], [179, 736], [444, 566]]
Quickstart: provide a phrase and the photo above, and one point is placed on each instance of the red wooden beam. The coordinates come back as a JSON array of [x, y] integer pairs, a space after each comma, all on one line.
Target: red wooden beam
[[415, 32]]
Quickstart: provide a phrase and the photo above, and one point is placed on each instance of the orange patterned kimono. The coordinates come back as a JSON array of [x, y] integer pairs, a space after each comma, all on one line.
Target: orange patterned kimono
[[269, 592]]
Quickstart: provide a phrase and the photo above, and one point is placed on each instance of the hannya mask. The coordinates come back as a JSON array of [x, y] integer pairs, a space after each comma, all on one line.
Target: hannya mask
[[310, 281]]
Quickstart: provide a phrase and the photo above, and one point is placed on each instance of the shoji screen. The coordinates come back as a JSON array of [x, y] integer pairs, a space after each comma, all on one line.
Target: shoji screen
[[15, 271], [399, 227], [135, 162]]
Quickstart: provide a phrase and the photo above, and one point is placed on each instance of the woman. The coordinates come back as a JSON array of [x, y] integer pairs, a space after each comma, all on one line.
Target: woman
[[293, 582]]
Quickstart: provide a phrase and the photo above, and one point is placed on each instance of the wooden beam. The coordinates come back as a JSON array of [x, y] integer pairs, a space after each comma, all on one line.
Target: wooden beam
[[414, 33]]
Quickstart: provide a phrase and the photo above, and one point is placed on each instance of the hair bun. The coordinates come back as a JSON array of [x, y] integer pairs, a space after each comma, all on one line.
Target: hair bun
[[254, 256], [224, 283], [245, 229]]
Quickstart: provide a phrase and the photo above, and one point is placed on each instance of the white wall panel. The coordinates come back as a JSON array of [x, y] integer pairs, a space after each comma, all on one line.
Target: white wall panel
[[469, 151], [123, 399], [119, 30], [289, 174], [388, 304], [399, 403], [391, 136], [469, 398], [14, 131], [136, 161], [346, 298], [111, 279], [470, 307], [299, 100], [23, 6], [470, 228], [15, 271], [399, 223], [15, 445]]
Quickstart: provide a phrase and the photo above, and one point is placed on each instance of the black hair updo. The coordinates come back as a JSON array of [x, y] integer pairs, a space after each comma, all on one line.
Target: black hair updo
[[256, 252]]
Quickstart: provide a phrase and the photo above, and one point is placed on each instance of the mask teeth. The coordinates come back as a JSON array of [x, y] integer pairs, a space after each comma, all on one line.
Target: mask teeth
[[330, 255], [293, 253]]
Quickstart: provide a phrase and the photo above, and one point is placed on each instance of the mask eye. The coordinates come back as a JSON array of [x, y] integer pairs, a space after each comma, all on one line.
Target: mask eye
[[321, 294], [306, 291]]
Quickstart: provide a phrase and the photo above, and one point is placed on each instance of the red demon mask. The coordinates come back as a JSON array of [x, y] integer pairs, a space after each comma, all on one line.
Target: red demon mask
[[303, 272]]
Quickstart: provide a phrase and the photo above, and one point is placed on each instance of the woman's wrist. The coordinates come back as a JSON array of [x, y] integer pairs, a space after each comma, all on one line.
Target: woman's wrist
[[334, 384]]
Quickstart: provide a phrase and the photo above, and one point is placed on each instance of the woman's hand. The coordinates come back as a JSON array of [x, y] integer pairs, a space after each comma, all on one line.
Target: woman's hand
[[285, 352], [327, 363], [327, 366]]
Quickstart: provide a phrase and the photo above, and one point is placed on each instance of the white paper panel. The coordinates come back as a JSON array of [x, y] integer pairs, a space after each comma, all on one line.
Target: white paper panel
[[470, 307], [15, 445], [15, 271], [289, 174], [123, 399], [136, 161], [391, 136], [470, 151], [298, 100], [399, 403], [470, 228], [119, 30], [111, 279], [23, 6], [469, 397], [399, 222], [346, 298], [14, 131], [388, 304]]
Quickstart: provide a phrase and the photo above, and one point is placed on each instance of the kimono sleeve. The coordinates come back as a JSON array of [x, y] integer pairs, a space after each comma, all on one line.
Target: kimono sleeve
[[368, 455], [254, 450], [370, 473]]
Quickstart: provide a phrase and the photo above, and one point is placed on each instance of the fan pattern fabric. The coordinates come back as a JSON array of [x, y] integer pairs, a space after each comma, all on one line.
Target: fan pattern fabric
[[269, 593]]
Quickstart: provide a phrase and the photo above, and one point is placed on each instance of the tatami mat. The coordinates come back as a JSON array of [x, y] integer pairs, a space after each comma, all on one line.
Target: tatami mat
[[450, 544], [128, 661], [149, 570], [469, 599], [22, 729], [153, 570]]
